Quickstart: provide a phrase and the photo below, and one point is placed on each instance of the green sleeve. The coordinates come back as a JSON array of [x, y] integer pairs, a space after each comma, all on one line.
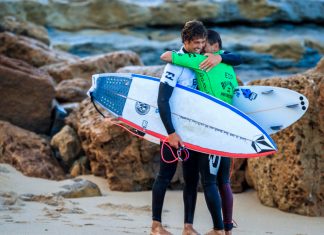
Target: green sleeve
[[189, 60]]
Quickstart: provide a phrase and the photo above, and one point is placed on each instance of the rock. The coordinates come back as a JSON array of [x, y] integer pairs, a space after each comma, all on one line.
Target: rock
[[320, 66], [291, 49], [238, 181], [25, 28], [80, 188], [30, 50], [154, 71], [128, 163], [27, 95], [80, 167], [86, 67], [292, 178], [118, 14], [67, 143], [28, 152], [74, 90]]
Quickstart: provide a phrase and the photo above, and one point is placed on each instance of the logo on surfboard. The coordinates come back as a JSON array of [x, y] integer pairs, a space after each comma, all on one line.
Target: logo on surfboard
[[247, 93], [142, 108]]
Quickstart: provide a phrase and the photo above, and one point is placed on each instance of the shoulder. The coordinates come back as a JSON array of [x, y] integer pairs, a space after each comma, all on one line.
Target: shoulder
[[171, 74]]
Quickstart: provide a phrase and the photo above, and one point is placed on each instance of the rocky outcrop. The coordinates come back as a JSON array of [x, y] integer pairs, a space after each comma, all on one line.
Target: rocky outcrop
[[30, 50], [128, 163], [24, 28], [292, 178], [28, 152], [27, 95], [74, 90], [86, 67], [116, 14]]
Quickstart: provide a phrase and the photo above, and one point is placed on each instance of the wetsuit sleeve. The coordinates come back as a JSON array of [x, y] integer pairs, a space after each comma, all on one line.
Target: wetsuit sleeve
[[165, 92], [168, 81], [231, 58], [189, 60]]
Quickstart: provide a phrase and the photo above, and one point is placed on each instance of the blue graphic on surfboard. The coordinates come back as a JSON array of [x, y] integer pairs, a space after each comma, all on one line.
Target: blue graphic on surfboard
[[205, 124]]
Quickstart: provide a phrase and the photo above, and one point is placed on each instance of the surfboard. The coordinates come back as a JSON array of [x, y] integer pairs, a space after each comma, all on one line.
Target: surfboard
[[273, 108], [205, 124]]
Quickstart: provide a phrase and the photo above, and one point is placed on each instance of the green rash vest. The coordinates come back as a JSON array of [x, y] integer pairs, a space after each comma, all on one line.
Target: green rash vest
[[219, 82]]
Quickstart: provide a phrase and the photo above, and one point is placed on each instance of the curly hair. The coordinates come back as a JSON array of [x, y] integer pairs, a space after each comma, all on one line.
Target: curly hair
[[192, 30]]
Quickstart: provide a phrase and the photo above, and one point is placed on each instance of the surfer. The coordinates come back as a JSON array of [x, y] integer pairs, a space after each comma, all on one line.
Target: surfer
[[202, 67], [193, 37]]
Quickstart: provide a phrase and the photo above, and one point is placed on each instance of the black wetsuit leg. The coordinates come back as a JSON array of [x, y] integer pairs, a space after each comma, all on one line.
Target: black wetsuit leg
[[191, 178], [208, 171], [223, 178], [163, 179]]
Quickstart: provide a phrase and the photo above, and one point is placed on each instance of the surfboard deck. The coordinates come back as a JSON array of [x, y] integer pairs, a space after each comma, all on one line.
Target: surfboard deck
[[273, 108], [204, 123]]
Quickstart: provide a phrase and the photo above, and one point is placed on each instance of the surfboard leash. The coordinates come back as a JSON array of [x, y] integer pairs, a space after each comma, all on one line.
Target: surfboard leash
[[179, 151]]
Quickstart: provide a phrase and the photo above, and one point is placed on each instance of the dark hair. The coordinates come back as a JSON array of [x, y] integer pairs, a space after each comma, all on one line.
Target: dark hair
[[192, 30], [214, 37]]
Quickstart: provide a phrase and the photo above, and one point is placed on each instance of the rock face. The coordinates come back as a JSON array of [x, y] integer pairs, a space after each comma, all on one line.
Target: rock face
[[24, 28], [28, 153], [30, 50], [115, 14], [27, 95], [128, 163], [85, 68], [292, 179]]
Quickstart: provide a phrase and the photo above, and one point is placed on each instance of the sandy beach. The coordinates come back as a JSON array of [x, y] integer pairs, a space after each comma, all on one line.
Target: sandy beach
[[127, 212]]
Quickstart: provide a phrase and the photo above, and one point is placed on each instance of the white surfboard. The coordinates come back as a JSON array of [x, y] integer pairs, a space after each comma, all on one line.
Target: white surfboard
[[204, 123], [273, 108]]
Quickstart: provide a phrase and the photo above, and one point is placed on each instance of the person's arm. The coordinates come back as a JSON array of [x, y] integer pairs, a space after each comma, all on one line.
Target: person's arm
[[231, 58], [188, 60], [167, 83], [214, 59]]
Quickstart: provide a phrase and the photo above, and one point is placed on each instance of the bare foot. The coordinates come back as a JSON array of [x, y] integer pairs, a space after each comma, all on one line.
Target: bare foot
[[189, 230], [157, 229], [215, 232]]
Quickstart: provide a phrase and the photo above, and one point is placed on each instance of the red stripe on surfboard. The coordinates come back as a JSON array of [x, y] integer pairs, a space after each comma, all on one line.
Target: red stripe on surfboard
[[195, 147]]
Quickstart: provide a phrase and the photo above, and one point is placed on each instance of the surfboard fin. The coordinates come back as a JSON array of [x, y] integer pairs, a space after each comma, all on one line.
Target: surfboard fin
[[276, 128], [292, 105], [267, 92]]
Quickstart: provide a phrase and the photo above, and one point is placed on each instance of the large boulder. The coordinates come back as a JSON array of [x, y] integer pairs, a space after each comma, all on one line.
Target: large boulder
[[292, 179], [28, 152], [27, 95], [86, 67]]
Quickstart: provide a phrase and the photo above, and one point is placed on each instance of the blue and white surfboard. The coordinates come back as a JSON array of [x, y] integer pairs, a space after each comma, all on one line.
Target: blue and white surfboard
[[205, 124]]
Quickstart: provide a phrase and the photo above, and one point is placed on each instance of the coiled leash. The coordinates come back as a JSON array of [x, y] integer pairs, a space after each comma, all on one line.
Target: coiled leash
[[180, 152]]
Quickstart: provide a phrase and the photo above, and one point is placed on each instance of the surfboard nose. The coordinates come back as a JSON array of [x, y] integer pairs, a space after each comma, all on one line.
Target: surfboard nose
[[112, 93]]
